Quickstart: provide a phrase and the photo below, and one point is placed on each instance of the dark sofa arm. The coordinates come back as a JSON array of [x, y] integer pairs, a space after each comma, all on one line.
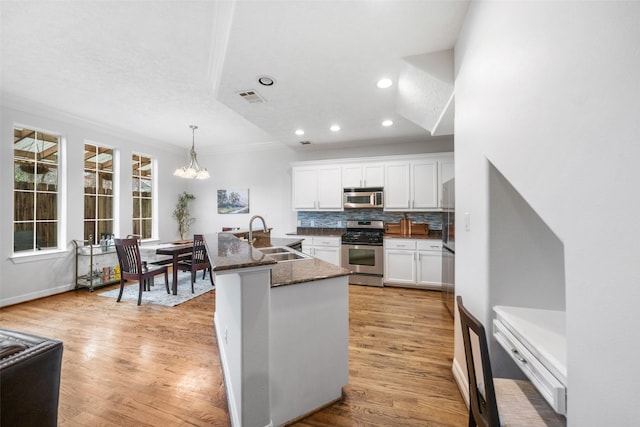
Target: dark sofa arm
[[29, 379]]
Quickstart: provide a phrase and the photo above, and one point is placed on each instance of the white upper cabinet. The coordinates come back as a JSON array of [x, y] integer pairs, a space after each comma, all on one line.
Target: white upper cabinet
[[397, 186], [411, 183], [424, 184], [446, 169], [416, 184], [358, 175], [317, 187], [305, 181]]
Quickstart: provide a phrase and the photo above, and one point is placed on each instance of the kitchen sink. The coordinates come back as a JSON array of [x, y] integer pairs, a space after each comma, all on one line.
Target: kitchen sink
[[284, 256], [283, 253], [273, 250]]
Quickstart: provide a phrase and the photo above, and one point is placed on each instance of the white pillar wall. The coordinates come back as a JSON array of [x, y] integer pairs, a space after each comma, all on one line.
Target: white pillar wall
[[547, 93]]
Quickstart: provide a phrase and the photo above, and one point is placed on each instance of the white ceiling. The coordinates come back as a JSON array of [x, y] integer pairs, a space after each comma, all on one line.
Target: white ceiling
[[154, 67]]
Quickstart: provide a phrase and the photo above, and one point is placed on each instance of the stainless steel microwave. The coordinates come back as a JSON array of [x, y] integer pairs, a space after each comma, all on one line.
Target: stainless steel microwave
[[360, 198]]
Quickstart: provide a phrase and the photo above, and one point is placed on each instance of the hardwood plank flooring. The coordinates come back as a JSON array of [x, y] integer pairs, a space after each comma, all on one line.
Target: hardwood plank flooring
[[125, 365]]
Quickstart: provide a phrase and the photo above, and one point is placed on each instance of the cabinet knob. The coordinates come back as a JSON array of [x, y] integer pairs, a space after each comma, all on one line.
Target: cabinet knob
[[518, 356]]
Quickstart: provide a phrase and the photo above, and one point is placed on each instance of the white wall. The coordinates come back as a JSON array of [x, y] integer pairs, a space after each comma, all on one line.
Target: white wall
[[548, 93], [41, 277]]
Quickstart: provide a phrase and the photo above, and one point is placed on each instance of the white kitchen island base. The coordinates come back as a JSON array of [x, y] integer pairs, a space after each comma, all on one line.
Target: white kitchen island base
[[309, 346], [284, 349]]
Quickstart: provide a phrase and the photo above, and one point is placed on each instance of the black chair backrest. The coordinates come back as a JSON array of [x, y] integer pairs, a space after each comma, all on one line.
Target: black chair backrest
[[128, 255], [199, 255], [482, 395]]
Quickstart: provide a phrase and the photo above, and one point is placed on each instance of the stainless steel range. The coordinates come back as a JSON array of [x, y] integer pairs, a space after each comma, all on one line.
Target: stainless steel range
[[362, 252]]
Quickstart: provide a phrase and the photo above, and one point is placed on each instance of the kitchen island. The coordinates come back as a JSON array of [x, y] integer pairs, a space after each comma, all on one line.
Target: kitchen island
[[282, 331]]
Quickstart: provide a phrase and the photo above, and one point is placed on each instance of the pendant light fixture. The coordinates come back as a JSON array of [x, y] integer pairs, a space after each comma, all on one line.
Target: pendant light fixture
[[193, 171]]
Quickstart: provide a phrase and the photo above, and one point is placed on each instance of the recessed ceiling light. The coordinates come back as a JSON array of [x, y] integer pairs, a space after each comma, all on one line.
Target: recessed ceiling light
[[384, 83], [299, 132], [266, 81], [387, 123], [334, 128]]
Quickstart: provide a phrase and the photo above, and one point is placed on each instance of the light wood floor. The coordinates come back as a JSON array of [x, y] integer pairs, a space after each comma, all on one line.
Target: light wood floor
[[125, 365]]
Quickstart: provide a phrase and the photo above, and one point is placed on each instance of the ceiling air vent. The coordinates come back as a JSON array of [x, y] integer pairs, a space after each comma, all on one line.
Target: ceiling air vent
[[251, 96]]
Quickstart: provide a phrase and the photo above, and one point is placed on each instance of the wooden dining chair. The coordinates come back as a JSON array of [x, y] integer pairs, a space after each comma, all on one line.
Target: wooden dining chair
[[495, 402], [198, 261], [131, 267]]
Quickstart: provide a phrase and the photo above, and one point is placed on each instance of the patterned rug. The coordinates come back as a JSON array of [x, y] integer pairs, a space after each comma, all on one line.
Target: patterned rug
[[158, 293]]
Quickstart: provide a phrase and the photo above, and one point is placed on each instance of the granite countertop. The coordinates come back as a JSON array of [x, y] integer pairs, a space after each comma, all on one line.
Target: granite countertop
[[304, 270], [228, 252]]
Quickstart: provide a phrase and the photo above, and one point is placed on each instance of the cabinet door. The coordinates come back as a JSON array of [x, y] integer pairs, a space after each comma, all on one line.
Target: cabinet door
[[399, 266], [330, 188], [446, 171], [327, 254], [397, 193], [352, 176], [305, 182], [430, 269], [425, 184], [307, 245], [373, 175]]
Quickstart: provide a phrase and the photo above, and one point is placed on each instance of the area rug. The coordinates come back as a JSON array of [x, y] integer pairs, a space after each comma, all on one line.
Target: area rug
[[158, 293]]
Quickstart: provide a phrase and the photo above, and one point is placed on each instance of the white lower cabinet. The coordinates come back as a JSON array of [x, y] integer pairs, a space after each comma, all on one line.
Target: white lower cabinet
[[324, 248], [429, 271], [413, 263]]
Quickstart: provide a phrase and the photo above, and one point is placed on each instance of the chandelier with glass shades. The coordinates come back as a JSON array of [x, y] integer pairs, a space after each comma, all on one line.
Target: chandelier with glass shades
[[193, 171]]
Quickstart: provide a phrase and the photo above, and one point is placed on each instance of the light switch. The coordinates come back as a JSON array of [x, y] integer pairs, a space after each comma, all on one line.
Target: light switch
[[467, 221]]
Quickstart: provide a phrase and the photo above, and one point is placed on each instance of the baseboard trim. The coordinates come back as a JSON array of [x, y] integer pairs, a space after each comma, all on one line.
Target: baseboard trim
[[36, 295], [462, 380], [233, 407]]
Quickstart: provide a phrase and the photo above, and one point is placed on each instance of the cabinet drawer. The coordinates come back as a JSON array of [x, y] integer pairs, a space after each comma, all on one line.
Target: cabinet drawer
[[400, 244], [547, 384], [333, 242], [430, 245]]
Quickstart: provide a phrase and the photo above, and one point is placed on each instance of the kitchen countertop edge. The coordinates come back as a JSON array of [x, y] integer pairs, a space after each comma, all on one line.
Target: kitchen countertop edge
[[228, 252]]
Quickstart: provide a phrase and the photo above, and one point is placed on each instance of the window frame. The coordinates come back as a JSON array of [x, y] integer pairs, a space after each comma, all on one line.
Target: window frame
[[113, 196], [60, 249], [152, 204]]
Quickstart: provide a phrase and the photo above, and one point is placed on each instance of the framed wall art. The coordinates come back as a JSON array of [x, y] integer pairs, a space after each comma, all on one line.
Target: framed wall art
[[233, 201]]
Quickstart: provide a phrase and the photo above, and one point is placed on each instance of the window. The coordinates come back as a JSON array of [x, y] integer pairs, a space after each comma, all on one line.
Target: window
[[35, 190], [98, 192], [142, 200]]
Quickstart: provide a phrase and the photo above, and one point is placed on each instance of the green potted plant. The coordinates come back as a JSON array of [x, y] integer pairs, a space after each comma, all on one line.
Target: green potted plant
[[182, 214]]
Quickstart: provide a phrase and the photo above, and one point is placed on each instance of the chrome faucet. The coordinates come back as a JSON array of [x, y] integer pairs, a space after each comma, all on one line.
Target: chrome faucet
[[264, 225]]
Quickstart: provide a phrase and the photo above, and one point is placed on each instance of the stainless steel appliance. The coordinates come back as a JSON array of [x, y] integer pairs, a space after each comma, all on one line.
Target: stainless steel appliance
[[359, 198], [362, 252], [448, 244]]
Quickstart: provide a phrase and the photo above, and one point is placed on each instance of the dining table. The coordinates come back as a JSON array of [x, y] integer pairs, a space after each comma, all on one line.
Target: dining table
[[178, 251]]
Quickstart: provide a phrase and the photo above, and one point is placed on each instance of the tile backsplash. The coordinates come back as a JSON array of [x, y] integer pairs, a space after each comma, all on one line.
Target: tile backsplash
[[339, 219]]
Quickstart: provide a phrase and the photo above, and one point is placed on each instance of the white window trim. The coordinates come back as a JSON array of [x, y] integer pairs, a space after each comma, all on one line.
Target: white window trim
[[116, 185], [23, 257], [155, 229]]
